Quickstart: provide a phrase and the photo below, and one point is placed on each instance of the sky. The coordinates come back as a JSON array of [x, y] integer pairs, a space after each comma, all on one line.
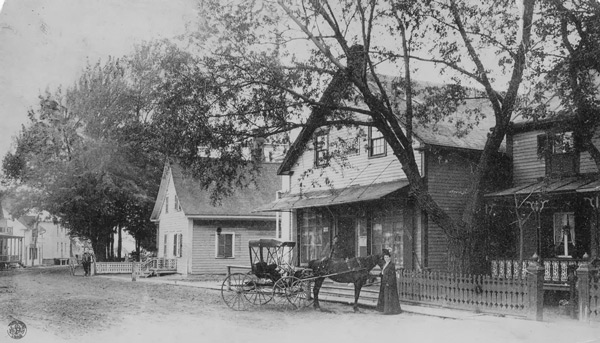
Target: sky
[[46, 43]]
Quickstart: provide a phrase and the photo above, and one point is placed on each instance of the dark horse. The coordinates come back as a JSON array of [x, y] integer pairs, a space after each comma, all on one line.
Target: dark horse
[[353, 270]]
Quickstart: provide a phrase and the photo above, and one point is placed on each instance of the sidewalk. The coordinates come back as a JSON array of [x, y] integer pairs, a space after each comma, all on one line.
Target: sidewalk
[[179, 280]]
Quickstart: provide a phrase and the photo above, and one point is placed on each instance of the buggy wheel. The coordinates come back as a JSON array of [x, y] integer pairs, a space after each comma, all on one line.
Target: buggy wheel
[[300, 294], [281, 288], [232, 292], [257, 291]]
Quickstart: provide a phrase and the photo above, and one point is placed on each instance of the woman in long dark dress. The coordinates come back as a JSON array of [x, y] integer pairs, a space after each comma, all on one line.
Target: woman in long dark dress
[[388, 301]]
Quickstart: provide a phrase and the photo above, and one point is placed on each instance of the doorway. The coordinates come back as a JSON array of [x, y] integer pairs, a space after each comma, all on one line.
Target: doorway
[[346, 236]]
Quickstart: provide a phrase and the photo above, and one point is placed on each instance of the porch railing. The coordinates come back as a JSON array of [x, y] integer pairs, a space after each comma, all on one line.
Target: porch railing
[[556, 270], [10, 258]]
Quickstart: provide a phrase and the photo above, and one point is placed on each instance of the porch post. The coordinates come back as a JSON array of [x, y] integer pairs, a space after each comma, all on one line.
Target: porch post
[[537, 206], [583, 290], [595, 203], [535, 290]]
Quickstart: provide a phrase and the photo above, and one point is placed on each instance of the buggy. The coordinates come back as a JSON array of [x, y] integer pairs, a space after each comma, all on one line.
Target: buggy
[[272, 278]]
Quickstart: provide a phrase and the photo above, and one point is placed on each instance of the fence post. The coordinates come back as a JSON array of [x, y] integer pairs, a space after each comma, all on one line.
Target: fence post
[[535, 291], [583, 290]]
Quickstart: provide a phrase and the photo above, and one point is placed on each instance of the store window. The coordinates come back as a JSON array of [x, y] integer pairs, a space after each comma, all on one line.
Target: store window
[[314, 231], [387, 234]]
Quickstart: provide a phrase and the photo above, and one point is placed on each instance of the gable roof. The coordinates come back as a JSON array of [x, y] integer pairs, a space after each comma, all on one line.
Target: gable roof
[[439, 134], [195, 200]]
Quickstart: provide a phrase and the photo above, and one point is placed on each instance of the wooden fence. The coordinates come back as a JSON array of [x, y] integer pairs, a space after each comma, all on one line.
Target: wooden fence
[[588, 292], [479, 293], [114, 267], [152, 265]]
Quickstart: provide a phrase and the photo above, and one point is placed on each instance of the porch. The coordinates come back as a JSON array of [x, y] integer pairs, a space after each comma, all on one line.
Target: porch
[[11, 250], [558, 272]]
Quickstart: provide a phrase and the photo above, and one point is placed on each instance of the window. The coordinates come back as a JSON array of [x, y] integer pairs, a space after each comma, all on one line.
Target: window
[[564, 232], [167, 202], [377, 146], [387, 234], [561, 156], [177, 204], [313, 229], [175, 245], [180, 245], [225, 243], [165, 246], [321, 148]]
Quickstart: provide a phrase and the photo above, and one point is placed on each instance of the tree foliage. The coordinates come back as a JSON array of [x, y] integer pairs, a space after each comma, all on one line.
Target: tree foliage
[[347, 47], [85, 155]]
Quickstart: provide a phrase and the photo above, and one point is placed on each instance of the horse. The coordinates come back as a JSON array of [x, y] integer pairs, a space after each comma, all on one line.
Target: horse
[[352, 270]]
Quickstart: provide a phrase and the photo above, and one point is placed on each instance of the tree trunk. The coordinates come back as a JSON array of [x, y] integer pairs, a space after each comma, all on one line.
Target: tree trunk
[[120, 243]]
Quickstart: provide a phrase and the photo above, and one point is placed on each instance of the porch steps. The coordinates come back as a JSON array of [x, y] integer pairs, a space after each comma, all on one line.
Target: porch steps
[[341, 292]]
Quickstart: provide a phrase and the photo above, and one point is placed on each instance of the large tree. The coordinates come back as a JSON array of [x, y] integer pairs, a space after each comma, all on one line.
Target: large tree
[[569, 69], [264, 85], [88, 155]]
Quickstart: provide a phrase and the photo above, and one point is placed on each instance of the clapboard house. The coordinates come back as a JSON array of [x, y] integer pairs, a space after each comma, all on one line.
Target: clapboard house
[[553, 200], [362, 196], [204, 237]]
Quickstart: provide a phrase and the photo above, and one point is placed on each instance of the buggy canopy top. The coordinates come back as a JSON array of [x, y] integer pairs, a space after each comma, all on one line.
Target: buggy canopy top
[[270, 243]]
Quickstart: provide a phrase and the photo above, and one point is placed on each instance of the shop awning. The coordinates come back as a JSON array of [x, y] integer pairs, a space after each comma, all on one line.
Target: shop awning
[[551, 186], [334, 197]]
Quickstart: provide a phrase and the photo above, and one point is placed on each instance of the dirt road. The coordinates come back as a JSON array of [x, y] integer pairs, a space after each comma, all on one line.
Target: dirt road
[[58, 307]]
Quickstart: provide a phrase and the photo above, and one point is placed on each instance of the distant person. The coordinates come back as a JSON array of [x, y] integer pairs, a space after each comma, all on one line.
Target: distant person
[[86, 260], [388, 302]]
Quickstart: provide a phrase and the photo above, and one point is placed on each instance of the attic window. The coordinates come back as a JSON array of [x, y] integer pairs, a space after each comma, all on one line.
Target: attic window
[[177, 204], [167, 202], [321, 148], [377, 146]]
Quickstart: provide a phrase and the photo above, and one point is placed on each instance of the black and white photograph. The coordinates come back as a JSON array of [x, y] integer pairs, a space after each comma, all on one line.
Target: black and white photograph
[[246, 171]]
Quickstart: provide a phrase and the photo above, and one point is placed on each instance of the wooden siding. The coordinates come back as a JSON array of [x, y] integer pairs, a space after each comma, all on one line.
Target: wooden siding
[[357, 169], [203, 244], [528, 167], [448, 179], [586, 163], [173, 222]]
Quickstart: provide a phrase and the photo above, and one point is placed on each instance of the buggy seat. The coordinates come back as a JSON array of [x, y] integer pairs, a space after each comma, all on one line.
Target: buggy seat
[[267, 271]]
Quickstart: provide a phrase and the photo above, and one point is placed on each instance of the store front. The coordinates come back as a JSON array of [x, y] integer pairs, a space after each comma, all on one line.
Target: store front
[[357, 230]]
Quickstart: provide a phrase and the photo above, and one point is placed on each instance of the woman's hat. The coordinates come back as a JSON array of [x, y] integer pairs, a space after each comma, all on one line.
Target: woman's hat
[[386, 252]]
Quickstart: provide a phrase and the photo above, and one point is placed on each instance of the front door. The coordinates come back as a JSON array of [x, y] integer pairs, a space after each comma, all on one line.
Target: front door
[[346, 237]]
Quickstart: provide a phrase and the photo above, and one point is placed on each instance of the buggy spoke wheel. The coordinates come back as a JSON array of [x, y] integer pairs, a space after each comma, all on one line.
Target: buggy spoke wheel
[[280, 289], [299, 293], [232, 292], [257, 291]]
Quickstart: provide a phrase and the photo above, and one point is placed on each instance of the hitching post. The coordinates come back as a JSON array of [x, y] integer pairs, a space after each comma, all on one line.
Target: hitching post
[[535, 285]]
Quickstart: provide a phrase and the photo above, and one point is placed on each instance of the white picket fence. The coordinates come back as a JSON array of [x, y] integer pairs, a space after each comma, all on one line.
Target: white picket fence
[[114, 267]]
